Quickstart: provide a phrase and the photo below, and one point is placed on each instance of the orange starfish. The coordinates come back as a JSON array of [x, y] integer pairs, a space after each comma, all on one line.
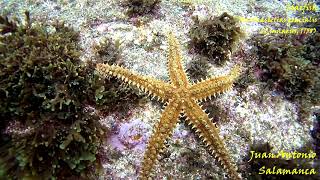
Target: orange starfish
[[181, 97]]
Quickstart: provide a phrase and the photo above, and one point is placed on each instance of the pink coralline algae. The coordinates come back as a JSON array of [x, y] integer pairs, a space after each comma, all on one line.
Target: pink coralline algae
[[130, 135]]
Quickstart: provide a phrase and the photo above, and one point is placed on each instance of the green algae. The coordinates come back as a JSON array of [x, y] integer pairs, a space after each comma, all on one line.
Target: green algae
[[50, 102], [216, 37]]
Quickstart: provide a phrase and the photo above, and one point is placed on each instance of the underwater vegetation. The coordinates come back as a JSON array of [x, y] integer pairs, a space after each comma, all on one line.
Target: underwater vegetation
[[290, 64], [41, 87], [215, 37], [198, 68], [140, 7], [108, 52], [46, 92]]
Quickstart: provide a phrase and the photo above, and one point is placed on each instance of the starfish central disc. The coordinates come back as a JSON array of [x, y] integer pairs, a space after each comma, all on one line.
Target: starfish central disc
[[179, 95], [182, 94]]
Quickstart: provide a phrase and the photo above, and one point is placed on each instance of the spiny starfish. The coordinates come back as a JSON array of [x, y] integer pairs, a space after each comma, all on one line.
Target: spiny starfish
[[181, 97]]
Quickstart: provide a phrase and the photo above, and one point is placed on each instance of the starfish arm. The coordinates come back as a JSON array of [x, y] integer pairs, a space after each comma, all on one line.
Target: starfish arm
[[162, 131], [215, 85], [210, 135], [149, 85], [177, 74]]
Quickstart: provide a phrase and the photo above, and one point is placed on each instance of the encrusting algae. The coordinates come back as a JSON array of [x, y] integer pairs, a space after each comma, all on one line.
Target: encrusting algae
[[181, 97]]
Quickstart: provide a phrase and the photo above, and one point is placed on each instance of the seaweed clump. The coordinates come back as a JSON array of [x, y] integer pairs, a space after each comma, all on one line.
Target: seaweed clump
[[198, 69], [140, 7], [47, 130], [291, 65], [41, 87], [107, 52], [216, 37]]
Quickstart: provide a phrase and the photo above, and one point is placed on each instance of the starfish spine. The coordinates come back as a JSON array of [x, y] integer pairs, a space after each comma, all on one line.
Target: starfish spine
[[162, 131], [150, 85], [210, 136], [177, 75], [181, 97]]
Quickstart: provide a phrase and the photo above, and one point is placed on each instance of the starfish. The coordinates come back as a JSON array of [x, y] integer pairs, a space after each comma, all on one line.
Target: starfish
[[181, 97]]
